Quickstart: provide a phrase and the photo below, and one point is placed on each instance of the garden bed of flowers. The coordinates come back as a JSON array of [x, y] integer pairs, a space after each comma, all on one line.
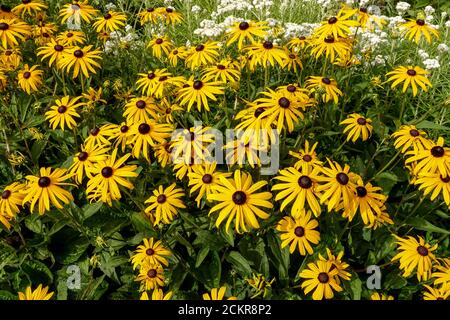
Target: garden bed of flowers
[[226, 149]]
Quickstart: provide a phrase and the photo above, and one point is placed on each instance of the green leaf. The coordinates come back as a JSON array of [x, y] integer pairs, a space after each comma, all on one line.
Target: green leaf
[[386, 180], [356, 288], [34, 223], [394, 281], [422, 224], [201, 256], [425, 124], [38, 272], [91, 209], [37, 148], [240, 263], [6, 295], [72, 251]]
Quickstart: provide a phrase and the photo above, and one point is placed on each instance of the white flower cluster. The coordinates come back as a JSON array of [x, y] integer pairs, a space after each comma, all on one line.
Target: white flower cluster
[[447, 24], [371, 41], [211, 29], [402, 7], [119, 38], [378, 60], [263, 6], [429, 10], [225, 6], [431, 64], [196, 9], [393, 22], [423, 54], [293, 30], [442, 48], [111, 6]]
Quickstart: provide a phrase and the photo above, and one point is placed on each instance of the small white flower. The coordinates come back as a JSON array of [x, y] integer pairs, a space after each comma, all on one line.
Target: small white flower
[[431, 64], [196, 9], [402, 7], [447, 24], [429, 10], [111, 6], [423, 54], [442, 48]]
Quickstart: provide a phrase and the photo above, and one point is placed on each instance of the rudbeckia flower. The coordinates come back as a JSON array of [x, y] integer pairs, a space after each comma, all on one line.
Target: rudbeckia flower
[[203, 54], [331, 47], [436, 293], [10, 201], [409, 136], [77, 10], [152, 251], [380, 296], [151, 276], [84, 160], [226, 70], [338, 26], [266, 53], [40, 293], [63, 112], [217, 294], [321, 277], [157, 294], [198, 92], [30, 78], [150, 15], [140, 109], [435, 158], [357, 126], [176, 54], [82, 59], [170, 15], [160, 45], [410, 76], [72, 37], [434, 184], [307, 157], [324, 87], [164, 204], [29, 7], [53, 51], [246, 31], [11, 30], [110, 22], [147, 134], [415, 29]]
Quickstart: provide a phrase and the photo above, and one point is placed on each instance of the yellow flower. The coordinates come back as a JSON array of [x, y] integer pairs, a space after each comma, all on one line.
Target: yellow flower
[[442, 274], [409, 136], [63, 112], [225, 70], [265, 53], [436, 293], [357, 126], [307, 157], [160, 45], [85, 160], [382, 296], [157, 83], [203, 54], [321, 277], [150, 15], [80, 59], [110, 22], [337, 264], [434, 183], [40, 293], [239, 201], [157, 294], [415, 29], [299, 233], [217, 294], [246, 31], [331, 46], [164, 204], [151, 276], [179, 53], [435, 158], [410, 76], [147, 134], [30, 78], [198, 92], [150, 252], [413, 255], [140, 109], [45, 189], [11, 30], [170, 15], [10, 200], [77, 10], [325, 87], [10, 58], [338, 26], [52, 50], [30, 7], [260, 285], [72, 37]]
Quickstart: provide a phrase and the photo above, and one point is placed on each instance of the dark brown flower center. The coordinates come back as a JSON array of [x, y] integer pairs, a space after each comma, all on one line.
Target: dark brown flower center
[[161, 198], [221, 67], [197, 85], [291, 88], [82, 156], [107, 16], [326, 80], [124, 129], [414, 132], [6, 194], [361, 121], [329, 39], [152, 273], [299, 231], [292, 56], [78, 54], [302, 38], [69, 35], [422, 251], [44, 182], [323, 277], [58, 48], [46, 35], [332, 20], [26, 1], [411, 72], [244, 25], [175, 52], [26, 75], [95, 131], [305, 182], [62, 109], [163, 78], [420, 22], [169, 10], [107, 172], [207, 178], [151, 75], [258, 112], [168, 111], [437, 151], [342, 178], [284, 102], [150, 252], [144, 128], [4, 26], [361, 191], [307, 158], [200, 47], [267, 45], [363, 10], [8, 52], [445, 179], [150, 9], [140, 104], [159, 41], [239, 197]]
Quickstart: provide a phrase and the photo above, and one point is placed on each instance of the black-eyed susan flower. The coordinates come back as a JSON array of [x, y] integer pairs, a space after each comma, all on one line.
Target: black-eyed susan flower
[[408, 136], [321, 277], [11, 200], [63, 112], [338, 185], [307, 157], [167, 110], [52, 51], [30, 79], [380, 220], [244, 150], [299, 233], [145, 135], [239, 201], [107, 176], [300, 187], [155, 83], [29, 7], [293, 62], [150, 15], [3, 81], [338, 26], [442, 274], [45, 189], [226, 70], [157, 294], [99, 136], [165, 203], [331, 47], [177, 54], [170, 15], [410, 76], [163, 153], [246, 31], [110, 22], [72, 37], [357, 126], [202, 55], [152, 251], [436, 293], [203, 179], [183, 168], [77, 11], [141, 109], [93, 97], [416, 29], [217, 294], [337, 264], [151, 276], [85, 159], [160, 45], [80, 59], [11, 30], [434, 184], [433, 158], [40, 293], [416, 256], [326, 88], [381, 296], [10, 58], [297, 44], [266, 53], [198, 91]]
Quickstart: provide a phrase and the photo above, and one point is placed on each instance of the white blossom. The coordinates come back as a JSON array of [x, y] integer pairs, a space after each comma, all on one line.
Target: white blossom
[[429, 10], [402, 7], [111, 6], [196, 9], [431, 64], [442, 48]]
